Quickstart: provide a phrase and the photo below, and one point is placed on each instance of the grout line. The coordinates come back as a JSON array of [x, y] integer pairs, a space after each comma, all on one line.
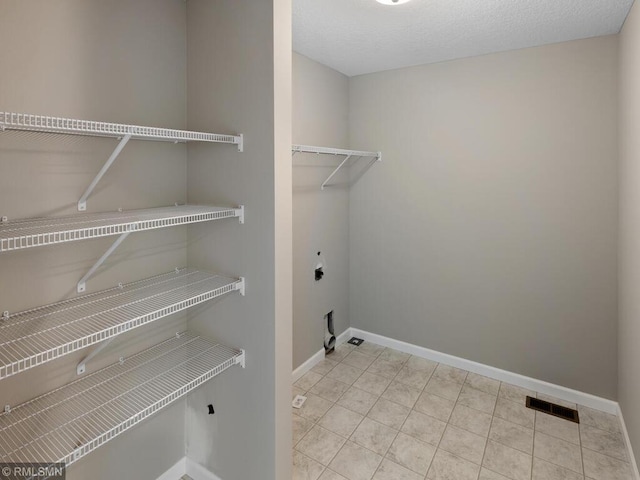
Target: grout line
[[493, 415]]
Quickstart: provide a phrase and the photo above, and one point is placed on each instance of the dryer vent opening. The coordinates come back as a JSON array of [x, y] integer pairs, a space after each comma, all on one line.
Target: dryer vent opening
[[329, 336]]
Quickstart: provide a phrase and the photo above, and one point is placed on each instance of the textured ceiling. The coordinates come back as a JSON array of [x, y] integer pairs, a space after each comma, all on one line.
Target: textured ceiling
[[363, 36]]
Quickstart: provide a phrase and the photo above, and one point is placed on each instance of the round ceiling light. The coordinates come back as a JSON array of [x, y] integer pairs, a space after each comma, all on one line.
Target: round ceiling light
[[392, 2]]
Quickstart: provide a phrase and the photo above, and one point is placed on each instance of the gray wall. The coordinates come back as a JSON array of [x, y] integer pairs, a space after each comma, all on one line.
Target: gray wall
[[489, 231], [238, 68], [320, 218], [629, 328], [116, 61]]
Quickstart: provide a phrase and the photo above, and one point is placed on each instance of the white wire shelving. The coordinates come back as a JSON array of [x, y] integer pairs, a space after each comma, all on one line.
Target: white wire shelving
[[348, 154], [40, 335], [124, 133], [68, 423], [39, 232]]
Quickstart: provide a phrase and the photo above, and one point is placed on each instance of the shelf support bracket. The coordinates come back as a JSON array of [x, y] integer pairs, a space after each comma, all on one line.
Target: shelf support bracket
[[82, 203], [82, 284], [324, 184], [240, 142], [82, 366], [242, 359], [240, 214], [240, 286]]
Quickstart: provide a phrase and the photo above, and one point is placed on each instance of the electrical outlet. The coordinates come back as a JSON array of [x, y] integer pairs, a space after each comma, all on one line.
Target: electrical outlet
[[298, 401]]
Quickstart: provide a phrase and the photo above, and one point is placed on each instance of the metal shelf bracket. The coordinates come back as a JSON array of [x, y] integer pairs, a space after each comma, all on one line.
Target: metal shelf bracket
[[240, 214], [82, 203], [240, 286], [82, 366], [324, 184], [242, 359], [239, 139], [82, 284]]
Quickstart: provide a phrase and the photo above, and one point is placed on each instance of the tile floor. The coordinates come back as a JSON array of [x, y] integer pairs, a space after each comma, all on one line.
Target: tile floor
[[376, 413]]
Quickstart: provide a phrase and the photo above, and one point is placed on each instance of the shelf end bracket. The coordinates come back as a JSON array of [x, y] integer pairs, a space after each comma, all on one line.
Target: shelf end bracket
[[242, 359], [240, 142], [240, 214], [82, 203], [82, 284], [241, 285]]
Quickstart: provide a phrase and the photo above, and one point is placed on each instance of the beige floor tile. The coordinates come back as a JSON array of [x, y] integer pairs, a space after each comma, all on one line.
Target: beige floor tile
[[414, 378], [394, 355], [324, 367], [358, 360], [515, 393], [300, 427], [296, 391], [512, 435], [557, 427], [601, 441], [341, 421], [601, 420], [471, 420], [370, 349], [372, 383], [484, 384], [507, 461], [477, 399], [411, 453], [422, 364], [557, 451], [434, 406], [345, 373], [355, 462], [446, 466], [442, 388], [314, 407], [305, 468], [384, 367], [463, 444], [547, 471], [389, 413], [374, 436], [599, 467], [400, 393], [515, 413], [308, 380], [320, 445], [331, 475], [389, 470], [340, 352], [424, 428], [358, 400], [329, 389], [489, 475], [450, 374]]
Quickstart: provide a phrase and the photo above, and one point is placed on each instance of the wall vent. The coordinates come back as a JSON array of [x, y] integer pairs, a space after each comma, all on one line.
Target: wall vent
[[553, 409]]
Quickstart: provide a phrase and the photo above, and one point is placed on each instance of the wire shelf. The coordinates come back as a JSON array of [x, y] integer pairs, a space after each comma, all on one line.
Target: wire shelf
[[334, 151], [21, 234], [38, 123], [68, 423], [34, 337]]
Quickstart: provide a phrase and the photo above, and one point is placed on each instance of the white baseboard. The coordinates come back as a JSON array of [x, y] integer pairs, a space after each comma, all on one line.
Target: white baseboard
[[176, 472], [198, 472], [343, 337], [308, 365], [186, 466], [541, 386], [625, 433], [318, 356]]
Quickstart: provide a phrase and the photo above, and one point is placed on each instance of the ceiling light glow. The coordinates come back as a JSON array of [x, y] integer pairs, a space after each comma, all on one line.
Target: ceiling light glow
[[392, 2]]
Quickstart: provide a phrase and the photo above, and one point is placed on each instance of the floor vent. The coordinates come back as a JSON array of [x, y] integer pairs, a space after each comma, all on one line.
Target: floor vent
[[553, 409]]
